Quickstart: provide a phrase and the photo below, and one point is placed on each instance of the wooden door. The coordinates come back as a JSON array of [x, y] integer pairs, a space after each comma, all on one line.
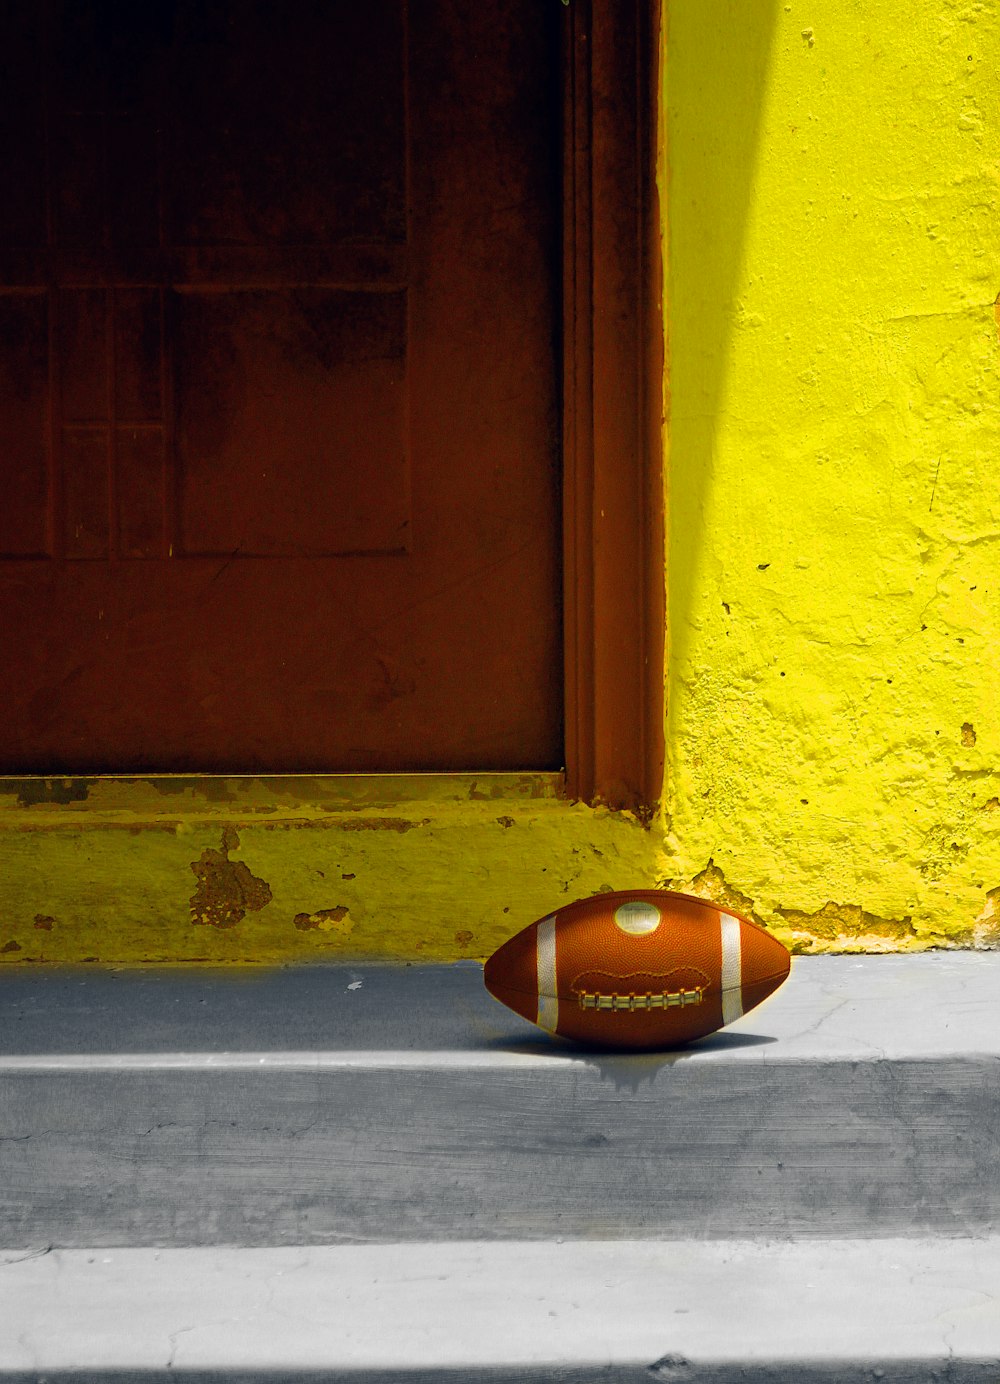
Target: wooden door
[[279, 460]]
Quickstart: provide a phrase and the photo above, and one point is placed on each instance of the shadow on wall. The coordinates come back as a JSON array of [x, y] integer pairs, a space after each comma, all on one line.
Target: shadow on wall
[[717, 57]]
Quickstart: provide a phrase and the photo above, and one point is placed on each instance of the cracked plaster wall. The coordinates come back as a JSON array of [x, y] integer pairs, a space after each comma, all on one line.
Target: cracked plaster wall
[[833, 250]]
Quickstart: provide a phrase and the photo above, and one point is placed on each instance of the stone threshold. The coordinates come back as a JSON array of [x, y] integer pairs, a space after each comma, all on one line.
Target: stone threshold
[[901, 1310]]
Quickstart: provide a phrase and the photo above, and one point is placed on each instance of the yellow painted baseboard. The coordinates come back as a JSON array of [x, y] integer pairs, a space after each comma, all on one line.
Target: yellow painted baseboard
[[154, 869]]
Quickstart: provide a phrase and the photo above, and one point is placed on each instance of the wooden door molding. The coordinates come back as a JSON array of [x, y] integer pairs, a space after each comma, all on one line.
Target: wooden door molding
[[614, 599]]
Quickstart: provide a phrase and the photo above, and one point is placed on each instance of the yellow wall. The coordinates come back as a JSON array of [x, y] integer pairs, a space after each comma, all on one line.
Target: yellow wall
[[833, 241]]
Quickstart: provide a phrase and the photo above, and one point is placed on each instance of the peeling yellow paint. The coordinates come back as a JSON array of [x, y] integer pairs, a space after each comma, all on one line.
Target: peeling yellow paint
[[336, 920], [315, 868], [987, 928], [846, 924]]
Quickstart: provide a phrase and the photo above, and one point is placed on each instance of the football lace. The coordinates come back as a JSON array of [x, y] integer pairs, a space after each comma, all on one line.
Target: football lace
[[666, 999]]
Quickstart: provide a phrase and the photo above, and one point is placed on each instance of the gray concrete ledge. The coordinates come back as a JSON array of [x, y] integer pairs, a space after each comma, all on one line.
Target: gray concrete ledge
[[933, 1005], [704, 1313], [184, 1109]]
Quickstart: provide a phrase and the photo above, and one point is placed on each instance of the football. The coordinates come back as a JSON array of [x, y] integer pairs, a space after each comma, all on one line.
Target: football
[[646, 968]]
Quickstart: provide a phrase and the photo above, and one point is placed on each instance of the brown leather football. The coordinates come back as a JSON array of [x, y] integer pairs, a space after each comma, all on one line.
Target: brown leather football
[[645, 968]]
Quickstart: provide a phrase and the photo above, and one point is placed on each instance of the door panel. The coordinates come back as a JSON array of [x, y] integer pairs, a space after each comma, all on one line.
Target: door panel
[[24, 399], [278, 386], [320, 373]]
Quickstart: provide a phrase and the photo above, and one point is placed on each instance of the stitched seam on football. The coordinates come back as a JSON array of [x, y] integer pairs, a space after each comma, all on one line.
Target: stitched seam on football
[[595, 980]]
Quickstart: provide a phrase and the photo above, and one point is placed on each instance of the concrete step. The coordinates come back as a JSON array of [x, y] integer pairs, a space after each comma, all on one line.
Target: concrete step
[[336, 1105], [903, 1311]]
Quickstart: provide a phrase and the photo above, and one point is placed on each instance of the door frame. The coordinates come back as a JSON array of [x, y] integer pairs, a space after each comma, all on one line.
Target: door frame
[[613, 406]]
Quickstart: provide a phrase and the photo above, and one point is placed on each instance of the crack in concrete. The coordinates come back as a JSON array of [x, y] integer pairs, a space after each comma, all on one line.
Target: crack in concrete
[[947, 1342], [195, 1128], [818, 1023], [172, 1338], [296, 1318], [41, 1134]]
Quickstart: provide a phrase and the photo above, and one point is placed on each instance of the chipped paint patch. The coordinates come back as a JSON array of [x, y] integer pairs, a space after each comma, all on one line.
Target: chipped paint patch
[[833, 927], [847, 923], [31, 792], [226, 890], [711, 883], [986, 933], [337, 920]]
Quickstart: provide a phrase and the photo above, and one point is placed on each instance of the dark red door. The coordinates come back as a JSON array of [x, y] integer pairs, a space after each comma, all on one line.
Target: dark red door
[[278, 386]]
